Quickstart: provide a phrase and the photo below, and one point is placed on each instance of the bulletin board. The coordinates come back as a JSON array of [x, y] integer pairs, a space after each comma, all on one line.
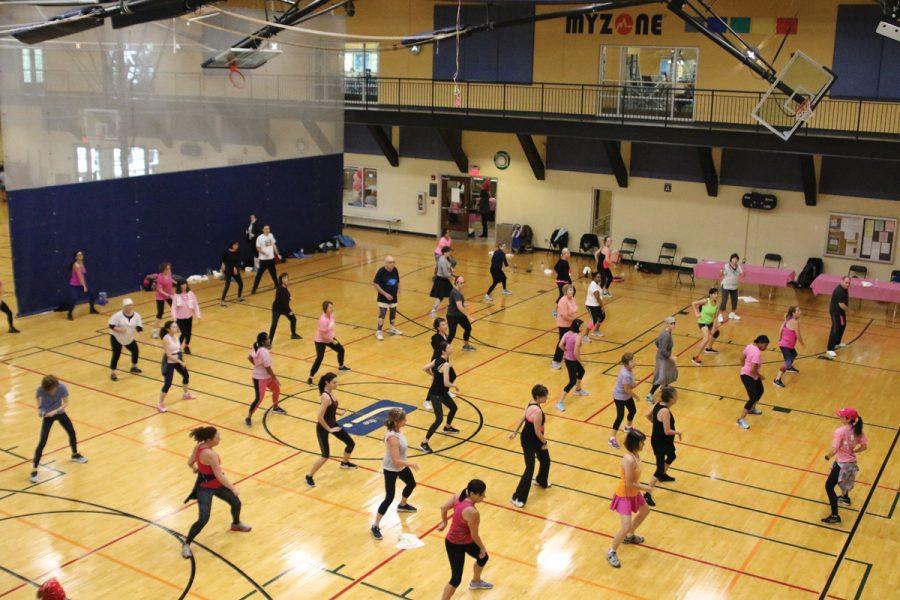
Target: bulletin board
[[861, 237]]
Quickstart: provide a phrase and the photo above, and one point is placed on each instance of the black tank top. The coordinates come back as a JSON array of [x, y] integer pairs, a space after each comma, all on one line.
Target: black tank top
[[330, 412], [437, 384], [659, 437], [528, 432]]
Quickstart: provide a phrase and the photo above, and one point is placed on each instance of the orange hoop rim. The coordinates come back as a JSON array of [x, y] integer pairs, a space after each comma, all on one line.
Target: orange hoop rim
[[235, 77]]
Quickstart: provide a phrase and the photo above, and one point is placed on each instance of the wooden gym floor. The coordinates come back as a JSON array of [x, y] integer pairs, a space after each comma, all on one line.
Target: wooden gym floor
[[742, 520]]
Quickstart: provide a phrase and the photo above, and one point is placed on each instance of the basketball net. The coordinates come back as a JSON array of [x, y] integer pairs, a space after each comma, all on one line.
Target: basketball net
[[804, 111], [235, 77]]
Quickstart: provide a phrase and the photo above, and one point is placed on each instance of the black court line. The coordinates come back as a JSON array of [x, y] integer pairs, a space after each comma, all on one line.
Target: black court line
[[335, 571], [865, 577], [20, 577]]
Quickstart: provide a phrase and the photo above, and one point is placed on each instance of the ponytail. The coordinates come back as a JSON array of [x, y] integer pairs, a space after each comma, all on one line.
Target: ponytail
[[476, 486], [261, 339], [790, 312], [858, 426]]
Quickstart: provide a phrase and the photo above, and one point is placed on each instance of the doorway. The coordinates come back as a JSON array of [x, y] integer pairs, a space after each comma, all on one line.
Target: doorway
[[455, 205], [601, 213]]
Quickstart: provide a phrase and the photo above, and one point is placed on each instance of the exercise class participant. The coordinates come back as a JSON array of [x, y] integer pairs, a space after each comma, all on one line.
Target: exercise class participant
[[52, 400], [665, 371], [254, 229], [571, 343], [534, 445], [268, 254], [211, 481], [443, 278], [624, 397], [163, 293], [464, 537], [123, 326], [787, 343], [441, 333], [231, 270], [662, 439], [78, 287], [264, 377], [281, 307], [627, 498], [326, 422], [5, 308], [184, 308], [706, 310], [837, 309], [443, 377], [387, 283], [394, 466], [173, 360], [752, 378], [563, 273], [484, 206], [847, 441], [604, 259], [498, 261], [731, 274], [325, 339], [458, 314], [445, 241], [594, 304], [565, 313]]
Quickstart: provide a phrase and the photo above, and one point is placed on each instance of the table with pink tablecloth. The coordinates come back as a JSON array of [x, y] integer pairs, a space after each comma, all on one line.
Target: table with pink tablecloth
[[753, 274], [879, 291]]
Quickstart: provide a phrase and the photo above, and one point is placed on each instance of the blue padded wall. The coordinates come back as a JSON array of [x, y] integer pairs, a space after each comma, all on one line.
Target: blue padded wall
[[582, 155], [861, 177], [423, 142], [664, 161], [126, 227], [767, 170], [866, 63]]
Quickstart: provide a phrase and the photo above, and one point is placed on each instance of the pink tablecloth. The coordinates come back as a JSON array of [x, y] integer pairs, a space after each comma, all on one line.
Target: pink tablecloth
[[880, 291], [753, 274]]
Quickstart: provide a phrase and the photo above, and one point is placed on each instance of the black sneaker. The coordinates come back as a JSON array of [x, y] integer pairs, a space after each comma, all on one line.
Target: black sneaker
[[648, 498], [248, 422], [778, 383], [376, 532], [844, 500], [310, 482], [13, 330], [239, 299], [279, 411], [710, 351], [113, 377], [77, 457], [832, 519], [94, 311], [666, 478], [135, 370], [296, 336], [425, 448], [309, 381], [33, 478], [343, 368], [450, 429], [187, 350], [407, 508], [791, 370], [348, 465]]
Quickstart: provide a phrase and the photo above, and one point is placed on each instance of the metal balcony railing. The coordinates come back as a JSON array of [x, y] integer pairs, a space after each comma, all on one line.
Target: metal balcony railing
[[639, 102]]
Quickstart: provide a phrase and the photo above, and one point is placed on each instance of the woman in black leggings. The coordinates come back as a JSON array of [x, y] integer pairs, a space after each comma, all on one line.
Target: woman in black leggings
[[443, 377], [464, 537], [663, 438], [282, 307], [326, 423], [603, 255], [395, 466], [52, 400], [5, 309], [624, 397], [173, 360], [325, 339], [534, 445], [211, 481]]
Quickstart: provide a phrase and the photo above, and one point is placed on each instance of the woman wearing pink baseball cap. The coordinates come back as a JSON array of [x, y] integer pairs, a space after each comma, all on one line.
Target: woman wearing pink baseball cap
[[847, 441]]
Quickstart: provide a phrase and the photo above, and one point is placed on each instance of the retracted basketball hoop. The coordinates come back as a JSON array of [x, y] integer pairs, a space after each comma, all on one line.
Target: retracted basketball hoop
[[235, 77]]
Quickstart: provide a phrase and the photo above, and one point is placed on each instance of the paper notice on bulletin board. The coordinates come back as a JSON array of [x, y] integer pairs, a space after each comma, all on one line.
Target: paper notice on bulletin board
[[861, 237]]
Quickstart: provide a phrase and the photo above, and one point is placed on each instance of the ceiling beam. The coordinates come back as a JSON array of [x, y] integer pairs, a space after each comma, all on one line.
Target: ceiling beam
[[533, 156]]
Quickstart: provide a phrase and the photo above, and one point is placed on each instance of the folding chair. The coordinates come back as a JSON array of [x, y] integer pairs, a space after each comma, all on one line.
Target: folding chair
[[667, 252], [686, 268], [627, 253], [858, 271], [772, 258]]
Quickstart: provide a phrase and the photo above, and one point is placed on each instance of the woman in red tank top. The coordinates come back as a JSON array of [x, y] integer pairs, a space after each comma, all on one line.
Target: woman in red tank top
[[211, 481], [463, 537]]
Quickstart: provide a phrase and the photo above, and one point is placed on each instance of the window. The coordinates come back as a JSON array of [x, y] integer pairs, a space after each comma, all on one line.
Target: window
[[32, 65], [361, 187], [361, 60], [140, 161], [647, 81]]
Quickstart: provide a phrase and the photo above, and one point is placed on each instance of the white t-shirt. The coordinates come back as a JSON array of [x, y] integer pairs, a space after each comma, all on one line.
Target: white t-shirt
[[591, 300], [131, 326], [265, 243]]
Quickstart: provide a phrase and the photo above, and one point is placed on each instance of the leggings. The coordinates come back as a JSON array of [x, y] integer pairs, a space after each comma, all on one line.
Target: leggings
[[66, 423], [576, 373], [726, 294], [559, 286], [390, 487], [597, 316], [789, 355], [456, 554], [117, 352], [497, 276], [531, 449], [186, 326], [264, 266], [9, 315], [621, 405], [455, 321], [830, 484], [320, 354], [322, 436], [558, 353], [204, 503], [76, 293], [276, 316], [838, 324], [382, 310], [161, 306], [169, 374], [237, 279], [754, 389], [606, 277], [259, 390], [665, 455], [437, 403]]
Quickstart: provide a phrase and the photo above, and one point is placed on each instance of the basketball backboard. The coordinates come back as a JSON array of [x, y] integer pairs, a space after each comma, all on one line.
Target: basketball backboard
[[242, 58]]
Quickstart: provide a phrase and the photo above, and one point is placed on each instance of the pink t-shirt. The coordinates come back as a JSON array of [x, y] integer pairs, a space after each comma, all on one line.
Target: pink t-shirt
[[185, 306], [171, 346], [73, 280], [845, 440], [569, 340], [566, 310], [325, 331], [164, 286], [443, 242], [262, 359], [752, 356]]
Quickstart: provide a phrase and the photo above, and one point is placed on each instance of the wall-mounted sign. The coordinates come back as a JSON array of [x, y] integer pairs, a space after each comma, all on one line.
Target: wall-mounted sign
[[611, 23], [501, 160]]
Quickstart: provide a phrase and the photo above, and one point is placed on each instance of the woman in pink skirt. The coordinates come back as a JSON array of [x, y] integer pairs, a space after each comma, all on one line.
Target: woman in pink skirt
[[627, 499]]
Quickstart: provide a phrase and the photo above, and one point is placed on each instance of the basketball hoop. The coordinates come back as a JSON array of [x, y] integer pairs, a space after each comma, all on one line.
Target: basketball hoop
[[804, 111], [235, 77]]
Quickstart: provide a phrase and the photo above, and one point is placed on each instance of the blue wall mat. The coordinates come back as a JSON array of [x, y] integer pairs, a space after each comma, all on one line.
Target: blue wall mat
[[663, 161], [766, 170], [582, 155], [368, 419], [857, 51], [866, 178], [126, 227], [423, 142], [359, 140]]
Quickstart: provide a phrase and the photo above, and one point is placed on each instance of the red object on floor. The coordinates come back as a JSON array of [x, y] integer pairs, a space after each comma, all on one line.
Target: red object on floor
[[51, 590], [618, 279]]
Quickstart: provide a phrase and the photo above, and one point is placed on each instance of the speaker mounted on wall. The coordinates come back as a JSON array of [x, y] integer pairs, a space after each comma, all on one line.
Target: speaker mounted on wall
[[759, 201]]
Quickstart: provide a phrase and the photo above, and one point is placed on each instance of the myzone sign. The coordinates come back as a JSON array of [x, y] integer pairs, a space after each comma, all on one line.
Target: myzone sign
[[609, 24]]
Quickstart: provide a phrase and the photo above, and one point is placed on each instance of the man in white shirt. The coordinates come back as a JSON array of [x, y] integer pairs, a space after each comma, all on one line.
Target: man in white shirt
[[124, 326], [268, 253]]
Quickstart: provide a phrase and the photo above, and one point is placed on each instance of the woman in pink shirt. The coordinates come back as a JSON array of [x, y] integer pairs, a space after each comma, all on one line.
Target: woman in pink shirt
[[571, 345], [846, 442], [78, 287], [184, 308], [464, 537], [164, 293], [325, 339], [444, 241], [566, 310], [173, 360], [263, 376], [787, 343], [752, 378]]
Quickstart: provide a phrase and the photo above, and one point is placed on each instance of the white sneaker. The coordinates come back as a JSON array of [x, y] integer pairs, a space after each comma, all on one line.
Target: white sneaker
[[555, 365], [427, 406], [831, 355], [742, 423], [451, 394], [650, 398], [734, 316], [722, 319], [507, 293], [516, 502], [488, 298], [378, 335], [841, 346], [596, 334], [581, 392], [394, 331], [155, 334]]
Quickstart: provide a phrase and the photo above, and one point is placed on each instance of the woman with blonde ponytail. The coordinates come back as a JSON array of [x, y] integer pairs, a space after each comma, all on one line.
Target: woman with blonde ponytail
[[395, 466]]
